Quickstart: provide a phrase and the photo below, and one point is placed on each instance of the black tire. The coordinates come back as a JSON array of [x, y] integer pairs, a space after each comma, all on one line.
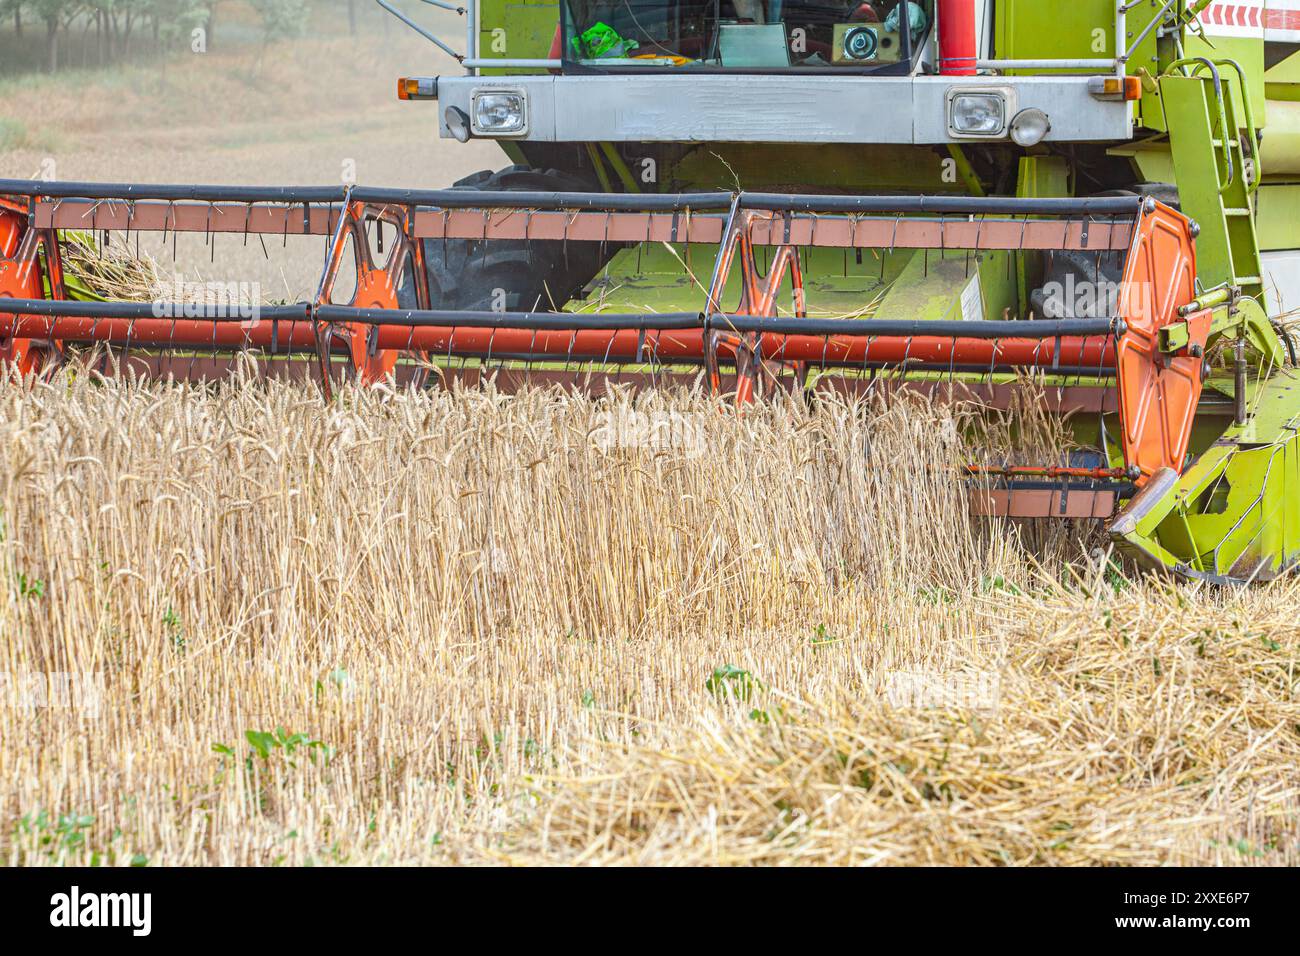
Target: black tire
[[1078, 285], [511, 275], [1166, 193], [1071, 270]]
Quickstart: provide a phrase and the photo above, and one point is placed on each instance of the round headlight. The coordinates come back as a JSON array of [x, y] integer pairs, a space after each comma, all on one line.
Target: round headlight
[[1030, 126], [457, 123], [861, 43]]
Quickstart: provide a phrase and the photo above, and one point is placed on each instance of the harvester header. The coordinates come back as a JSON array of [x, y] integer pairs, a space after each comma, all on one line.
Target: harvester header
[[738, 336], [935, 196]]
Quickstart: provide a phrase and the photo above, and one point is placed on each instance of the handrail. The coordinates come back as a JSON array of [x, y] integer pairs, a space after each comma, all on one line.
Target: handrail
[[1252, 132], [421, 30], [470, 59], [1227, 130], [1155, 22]]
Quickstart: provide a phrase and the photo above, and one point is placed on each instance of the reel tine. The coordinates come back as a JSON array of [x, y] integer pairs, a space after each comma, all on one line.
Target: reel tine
[[687, 256], [329, 230], [171, 212], [130, 218], [528, 236], [528, 362]]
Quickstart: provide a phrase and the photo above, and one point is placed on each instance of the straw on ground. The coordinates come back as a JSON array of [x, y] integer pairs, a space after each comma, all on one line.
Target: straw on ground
[[468, 627]]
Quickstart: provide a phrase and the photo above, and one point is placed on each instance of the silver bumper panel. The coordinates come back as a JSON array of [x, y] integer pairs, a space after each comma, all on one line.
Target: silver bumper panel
[[780, 109]]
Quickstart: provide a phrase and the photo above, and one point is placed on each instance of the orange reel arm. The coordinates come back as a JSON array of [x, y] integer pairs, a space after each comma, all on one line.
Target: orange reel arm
[[1159, 392]]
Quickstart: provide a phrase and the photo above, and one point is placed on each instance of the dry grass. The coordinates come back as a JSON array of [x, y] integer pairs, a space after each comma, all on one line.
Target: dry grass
[[317, 110], [509, 633], [108, 269]]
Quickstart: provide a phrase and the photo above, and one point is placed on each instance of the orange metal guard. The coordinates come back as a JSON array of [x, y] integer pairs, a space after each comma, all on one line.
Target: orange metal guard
[[1159, 393]]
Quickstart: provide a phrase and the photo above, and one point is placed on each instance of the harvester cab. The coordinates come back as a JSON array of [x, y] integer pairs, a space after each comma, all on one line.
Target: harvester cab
[[938, 196]]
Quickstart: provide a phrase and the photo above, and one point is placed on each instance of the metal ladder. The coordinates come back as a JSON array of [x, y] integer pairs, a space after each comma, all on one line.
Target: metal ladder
[[1217, 175], [1215, 148]]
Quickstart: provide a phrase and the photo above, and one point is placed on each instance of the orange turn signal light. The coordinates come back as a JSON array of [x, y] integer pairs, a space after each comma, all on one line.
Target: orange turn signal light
[[1116, 88], [417, 88]]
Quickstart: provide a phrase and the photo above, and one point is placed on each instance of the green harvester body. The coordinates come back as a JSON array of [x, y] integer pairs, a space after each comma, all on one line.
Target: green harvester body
[[1209, 102]]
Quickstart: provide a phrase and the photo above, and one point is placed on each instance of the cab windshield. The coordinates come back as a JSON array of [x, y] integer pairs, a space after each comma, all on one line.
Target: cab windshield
[[745, 35]]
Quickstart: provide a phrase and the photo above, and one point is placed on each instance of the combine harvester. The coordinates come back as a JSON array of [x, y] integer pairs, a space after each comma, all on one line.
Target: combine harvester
[[936, 195]]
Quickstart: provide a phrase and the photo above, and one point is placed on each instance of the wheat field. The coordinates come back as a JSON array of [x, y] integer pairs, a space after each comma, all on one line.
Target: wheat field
[[466, 627]]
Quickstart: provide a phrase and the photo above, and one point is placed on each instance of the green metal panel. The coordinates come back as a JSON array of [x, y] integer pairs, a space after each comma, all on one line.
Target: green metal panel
[[1278, 214], [1153, 162], [999, 284], [517, 30], [1039, 177], [1079, 29], [655, 277], [932, 286], [1236, 511], [838, 283], [1284, 71], [1282, 80]]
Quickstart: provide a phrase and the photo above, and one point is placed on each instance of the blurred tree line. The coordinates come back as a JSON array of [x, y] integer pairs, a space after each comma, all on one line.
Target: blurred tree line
[[111, 31]]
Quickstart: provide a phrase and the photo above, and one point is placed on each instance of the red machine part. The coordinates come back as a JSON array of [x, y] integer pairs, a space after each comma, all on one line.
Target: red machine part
[[21, 277], [958, 45], [758, 298], [622, 346], [1157, 396], [1159, 392], [376, 288], [755, 355]]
